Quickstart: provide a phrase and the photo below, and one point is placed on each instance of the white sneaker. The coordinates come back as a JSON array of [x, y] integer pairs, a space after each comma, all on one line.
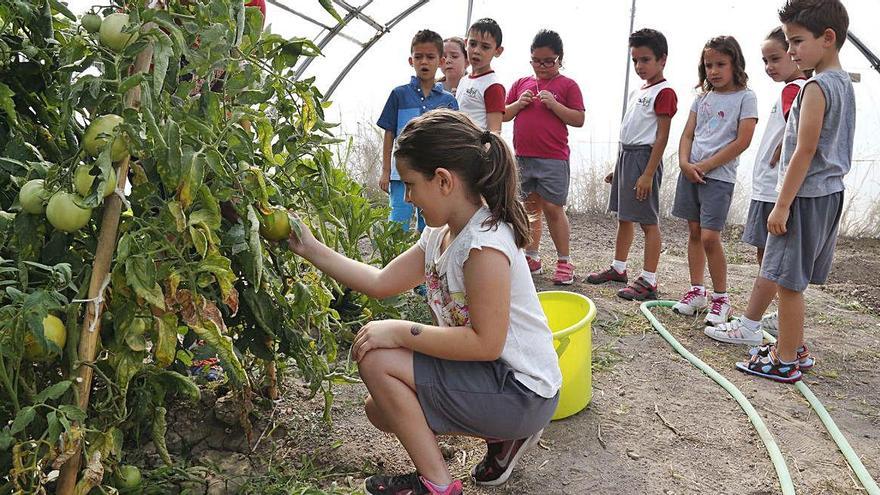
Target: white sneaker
[[770, 324], [719, 311], [734, 332], [691, 303]]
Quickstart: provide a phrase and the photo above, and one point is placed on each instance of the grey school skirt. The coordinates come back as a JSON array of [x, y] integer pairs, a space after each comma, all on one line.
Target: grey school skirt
[[478, 398]]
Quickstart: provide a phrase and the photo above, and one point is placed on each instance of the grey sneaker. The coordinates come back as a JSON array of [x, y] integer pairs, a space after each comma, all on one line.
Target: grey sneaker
[[770, 324]]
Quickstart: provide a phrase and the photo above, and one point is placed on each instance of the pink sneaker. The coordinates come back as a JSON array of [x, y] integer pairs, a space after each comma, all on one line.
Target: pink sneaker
[[564, 274], [534, 265]]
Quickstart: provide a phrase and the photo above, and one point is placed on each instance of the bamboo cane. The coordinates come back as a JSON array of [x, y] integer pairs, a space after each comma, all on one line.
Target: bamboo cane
[[100, 269]]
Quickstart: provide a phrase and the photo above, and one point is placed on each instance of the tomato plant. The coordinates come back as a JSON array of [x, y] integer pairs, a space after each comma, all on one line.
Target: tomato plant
[[216, 133]]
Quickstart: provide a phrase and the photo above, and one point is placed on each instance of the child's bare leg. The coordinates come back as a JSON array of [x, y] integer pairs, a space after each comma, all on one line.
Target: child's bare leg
[[711, 240], [534, 210], [760, 257], [388, 374], [653, 245], [557, 224], [624, 240], [696, 254], [762, 295], [791, 323]]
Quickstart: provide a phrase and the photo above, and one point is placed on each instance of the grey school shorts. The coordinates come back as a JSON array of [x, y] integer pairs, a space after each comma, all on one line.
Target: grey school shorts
[[755, 230], [631, 164], [804, 253], [546, 176], [706, 203], [478, 398]]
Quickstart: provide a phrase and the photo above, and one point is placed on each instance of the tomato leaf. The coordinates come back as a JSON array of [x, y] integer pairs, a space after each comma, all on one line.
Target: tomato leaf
[[256, 247], [166, 339], [140, 274], [52, 392], [24, 417]]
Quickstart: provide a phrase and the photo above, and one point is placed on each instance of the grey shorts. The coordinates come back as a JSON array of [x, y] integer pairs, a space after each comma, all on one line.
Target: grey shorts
[[546, 176], [478, 398], [804, 253], [755, 230], [631, 164], [706, 203]]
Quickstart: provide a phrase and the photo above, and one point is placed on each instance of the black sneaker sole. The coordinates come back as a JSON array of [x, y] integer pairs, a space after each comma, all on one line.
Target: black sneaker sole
[[650, 297]]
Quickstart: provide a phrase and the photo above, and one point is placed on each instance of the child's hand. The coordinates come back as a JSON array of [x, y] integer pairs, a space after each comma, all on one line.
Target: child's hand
[[547, 98], [377, 334], [526, 98], [301, 240], [609, 178], [693, 174], [385, 182], [778, 219], [644, 184]]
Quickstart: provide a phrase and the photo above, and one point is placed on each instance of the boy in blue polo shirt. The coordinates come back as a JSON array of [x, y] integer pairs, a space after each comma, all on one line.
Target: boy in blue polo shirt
[[406, 102]]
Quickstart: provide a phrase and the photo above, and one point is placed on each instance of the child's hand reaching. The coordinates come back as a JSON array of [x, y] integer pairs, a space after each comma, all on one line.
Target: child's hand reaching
[[547, 98], [778, 219], [301, 240], [377, 334], [609, 178]]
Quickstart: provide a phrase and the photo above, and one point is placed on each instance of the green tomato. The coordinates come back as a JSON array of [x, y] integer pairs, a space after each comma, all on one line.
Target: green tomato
[[64, 214], [93, 142], [128, 478], [83, 181], [275, 226], [111, 35], [91, 23], [32, 196], [54, 331]]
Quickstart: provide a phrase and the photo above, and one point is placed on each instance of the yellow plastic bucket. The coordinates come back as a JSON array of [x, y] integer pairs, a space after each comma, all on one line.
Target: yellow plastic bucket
[[570, 316]]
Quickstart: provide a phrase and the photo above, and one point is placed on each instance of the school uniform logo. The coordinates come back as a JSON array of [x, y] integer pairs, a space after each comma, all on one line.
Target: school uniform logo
[[472, 92], [644, 101]]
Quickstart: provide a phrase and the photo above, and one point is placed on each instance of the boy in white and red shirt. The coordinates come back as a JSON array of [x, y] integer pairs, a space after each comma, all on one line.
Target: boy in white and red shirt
[[635, 182], [480, 94], [543, 106]]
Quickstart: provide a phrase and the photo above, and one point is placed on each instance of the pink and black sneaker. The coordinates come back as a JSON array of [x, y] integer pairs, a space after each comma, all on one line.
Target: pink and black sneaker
[[501, 458], [639, 290], [406, 484], [534, 265]]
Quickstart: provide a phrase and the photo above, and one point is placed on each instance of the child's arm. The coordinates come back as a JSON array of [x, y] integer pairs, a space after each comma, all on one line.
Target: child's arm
[[744, 132], [511, 111], [568, 116], [776, 154], [487, 281], [401, 274], [493, 121], [387, 146], [645, 182], [685, 145], [809, 128]]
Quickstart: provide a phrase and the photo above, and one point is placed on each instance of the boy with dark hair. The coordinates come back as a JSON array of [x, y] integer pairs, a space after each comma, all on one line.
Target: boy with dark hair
[[406, 102], [635, 181], [816, 155], [480, 95]]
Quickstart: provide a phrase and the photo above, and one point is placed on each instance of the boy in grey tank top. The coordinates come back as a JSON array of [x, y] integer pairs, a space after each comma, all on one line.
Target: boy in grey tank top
[[816, 154]]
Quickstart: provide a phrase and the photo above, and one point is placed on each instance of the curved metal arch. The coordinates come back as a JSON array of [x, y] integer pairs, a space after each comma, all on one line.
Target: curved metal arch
[[353, 14]]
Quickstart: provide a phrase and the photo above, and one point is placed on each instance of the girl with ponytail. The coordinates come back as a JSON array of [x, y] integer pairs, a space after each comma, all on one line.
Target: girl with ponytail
[[487, 368]]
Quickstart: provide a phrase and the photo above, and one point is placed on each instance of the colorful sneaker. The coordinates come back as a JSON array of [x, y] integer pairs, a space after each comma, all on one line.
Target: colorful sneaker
[[639, 290], [770, 367], [500, 459], [805, 359], [406, 484], [691, 303], [564, 274], [770, 324], [734, 332], [719, 311], [609, 275], [534, 265]]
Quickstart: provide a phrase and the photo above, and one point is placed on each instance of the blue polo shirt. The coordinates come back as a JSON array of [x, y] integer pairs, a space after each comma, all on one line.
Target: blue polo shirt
[[407, 102]]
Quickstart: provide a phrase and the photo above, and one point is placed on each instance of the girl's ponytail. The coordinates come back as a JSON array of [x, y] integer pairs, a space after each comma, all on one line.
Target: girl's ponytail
[[449, 139], [499, 186]]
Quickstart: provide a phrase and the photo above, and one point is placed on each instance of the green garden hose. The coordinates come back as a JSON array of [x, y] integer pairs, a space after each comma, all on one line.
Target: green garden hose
[[773, 449], [775, 455]]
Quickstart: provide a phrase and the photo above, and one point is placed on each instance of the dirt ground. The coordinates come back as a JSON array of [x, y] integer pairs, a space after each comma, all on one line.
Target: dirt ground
[[656, 424]]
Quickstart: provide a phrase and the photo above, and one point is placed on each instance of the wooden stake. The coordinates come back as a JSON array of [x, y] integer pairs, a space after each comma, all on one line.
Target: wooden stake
[[100, 269]]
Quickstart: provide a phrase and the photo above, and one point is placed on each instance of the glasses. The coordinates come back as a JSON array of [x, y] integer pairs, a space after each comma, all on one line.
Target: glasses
[[549, 62]]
